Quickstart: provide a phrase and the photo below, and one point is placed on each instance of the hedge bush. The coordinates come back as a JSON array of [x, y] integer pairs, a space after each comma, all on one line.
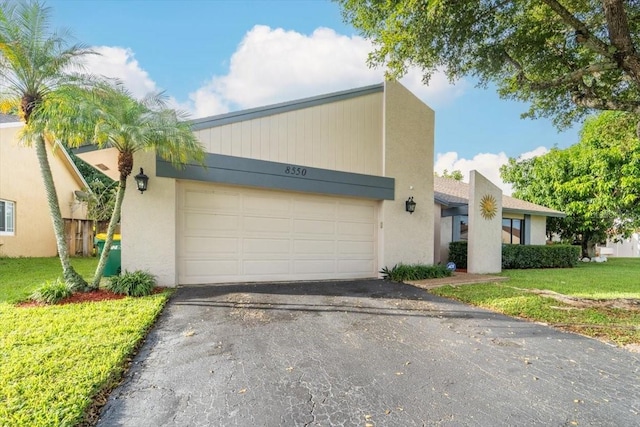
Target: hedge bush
[[52, 292], [135, 284], [458, 253], [524, 256], [401, 272], [539, 256]]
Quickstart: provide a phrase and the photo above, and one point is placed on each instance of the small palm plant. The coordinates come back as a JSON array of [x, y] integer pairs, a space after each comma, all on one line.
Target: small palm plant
[[112, 118], [35, 65]]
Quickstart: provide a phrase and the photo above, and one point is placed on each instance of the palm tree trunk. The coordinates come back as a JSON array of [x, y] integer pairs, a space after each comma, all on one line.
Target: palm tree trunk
[[71, 277], [115, 218]]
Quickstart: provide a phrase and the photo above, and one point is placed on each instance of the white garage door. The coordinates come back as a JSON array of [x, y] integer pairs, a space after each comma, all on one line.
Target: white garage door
[[234, 234]]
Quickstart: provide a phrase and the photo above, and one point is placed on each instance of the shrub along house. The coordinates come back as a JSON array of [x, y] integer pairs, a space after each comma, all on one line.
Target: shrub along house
[[304, 190], [522, 222]]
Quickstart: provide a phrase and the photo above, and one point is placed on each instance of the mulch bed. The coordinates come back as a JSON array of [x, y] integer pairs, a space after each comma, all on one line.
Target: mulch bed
[[78, 297]]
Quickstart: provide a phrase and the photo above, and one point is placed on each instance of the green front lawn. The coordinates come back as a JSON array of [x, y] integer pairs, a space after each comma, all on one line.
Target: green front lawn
[[55, 359], [591, 285], [19, 277]]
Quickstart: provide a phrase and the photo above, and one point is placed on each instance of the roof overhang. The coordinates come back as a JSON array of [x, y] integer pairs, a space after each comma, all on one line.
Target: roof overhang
[[104, 160]]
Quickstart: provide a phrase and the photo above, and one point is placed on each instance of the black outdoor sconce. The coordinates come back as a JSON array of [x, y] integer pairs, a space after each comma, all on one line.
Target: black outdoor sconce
[[141, 181], [410, 205]]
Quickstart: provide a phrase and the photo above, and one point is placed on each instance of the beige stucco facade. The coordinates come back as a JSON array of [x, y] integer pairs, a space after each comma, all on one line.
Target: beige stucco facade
[[409, 127], [484, 250], [388, 133], [21, 183]]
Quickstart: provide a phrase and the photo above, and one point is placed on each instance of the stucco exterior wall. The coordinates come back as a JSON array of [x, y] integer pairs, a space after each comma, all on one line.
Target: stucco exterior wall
[[538, 227], [408, 157], [344, 135], [149, 224], [21, 183], [484, 250], [446, 235]]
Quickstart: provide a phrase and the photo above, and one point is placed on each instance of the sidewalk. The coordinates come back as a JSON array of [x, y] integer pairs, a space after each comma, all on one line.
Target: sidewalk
[[458, 278]]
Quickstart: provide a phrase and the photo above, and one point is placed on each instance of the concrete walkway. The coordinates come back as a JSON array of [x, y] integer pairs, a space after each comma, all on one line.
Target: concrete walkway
[[365, 353]]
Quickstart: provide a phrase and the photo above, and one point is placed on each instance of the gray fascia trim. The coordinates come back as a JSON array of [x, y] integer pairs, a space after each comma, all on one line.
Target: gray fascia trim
[[85, 149], [458, 210], [535, 213], [269, 110], [446, 203], [264, 174]]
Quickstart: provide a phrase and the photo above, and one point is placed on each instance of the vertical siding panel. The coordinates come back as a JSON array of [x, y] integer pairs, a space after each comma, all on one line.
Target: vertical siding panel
[[225, 140], [299, 138], [318, 149], [256, 146], [283, 148], [214, 146], [236, 139], [265, 142], [379, 149], [309, 137], [204, 136], [367, 148], [326, 156], [291, 137], [340, 135], [246, 139]]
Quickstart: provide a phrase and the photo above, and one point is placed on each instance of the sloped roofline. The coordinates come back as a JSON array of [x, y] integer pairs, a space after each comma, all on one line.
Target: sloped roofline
[[57, 147], [457, 197], [269, 110]]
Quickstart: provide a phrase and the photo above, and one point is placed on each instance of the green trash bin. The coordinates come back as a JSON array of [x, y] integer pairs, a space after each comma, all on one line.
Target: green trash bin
[[114, 264]]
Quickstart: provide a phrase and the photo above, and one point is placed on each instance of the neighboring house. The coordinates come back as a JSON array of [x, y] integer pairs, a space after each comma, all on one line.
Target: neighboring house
[[312, 189], [624, 247], [522, 222], [25, 223]]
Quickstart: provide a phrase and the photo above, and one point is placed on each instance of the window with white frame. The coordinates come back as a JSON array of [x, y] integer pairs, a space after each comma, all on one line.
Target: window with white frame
[[7, 218]]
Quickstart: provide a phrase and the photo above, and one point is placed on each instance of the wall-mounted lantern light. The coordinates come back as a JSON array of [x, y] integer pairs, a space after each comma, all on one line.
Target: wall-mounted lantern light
[[141, 181], [410, 205]]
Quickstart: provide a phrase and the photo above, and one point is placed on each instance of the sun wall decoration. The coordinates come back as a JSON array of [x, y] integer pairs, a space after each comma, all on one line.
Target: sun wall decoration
[[488, 206]]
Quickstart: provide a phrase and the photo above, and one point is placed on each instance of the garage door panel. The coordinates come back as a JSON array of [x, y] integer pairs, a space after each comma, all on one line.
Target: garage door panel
[[356, 211], [203, 223], [234, 234], [355, 266], [212, 200], [315, 209], [266, 224], [276, 206], [213, 245], [307, 246], [356, 229], [203, 268], [315, 266], [310, 226], [364, 247], [265, 267], [266, 246]]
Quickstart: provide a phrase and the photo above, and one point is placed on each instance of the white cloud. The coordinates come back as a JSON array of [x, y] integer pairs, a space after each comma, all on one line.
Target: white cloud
[[120, 63], [275, 65], [533, 153], [488, 164]]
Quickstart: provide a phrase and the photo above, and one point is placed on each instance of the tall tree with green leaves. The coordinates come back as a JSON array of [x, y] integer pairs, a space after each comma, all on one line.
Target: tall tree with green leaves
[[35, 64], [113, 118], [565, 58], [454, 174], [596, 182]]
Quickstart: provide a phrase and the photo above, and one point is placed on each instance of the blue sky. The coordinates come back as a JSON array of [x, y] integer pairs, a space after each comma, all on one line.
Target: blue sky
[[213, 57]]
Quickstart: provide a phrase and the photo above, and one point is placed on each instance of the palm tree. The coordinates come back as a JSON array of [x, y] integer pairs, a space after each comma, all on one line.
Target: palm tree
[[34, 65], [115, 119]]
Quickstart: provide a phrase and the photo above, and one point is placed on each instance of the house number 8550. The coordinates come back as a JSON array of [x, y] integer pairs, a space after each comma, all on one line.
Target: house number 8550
[[294, 170]]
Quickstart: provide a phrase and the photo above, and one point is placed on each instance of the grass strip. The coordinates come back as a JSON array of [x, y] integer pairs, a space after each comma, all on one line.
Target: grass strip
[[55, 359]]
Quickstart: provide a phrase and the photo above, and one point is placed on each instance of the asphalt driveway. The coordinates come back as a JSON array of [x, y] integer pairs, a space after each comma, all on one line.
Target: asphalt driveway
[[365, 353]]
